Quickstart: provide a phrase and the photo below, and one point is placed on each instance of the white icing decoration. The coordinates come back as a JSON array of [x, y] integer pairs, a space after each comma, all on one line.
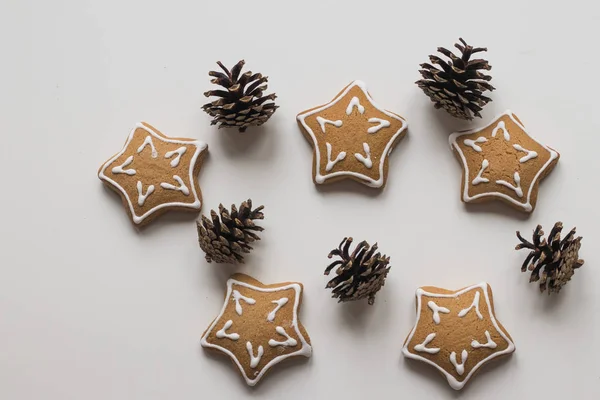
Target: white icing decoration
[[452, 381], [473, 143], [280, 303], [475, 304], [479, 179], [180, 151], [289, 342], [366, 160], [237, 296], [223, 334], [490, 343], [323, 121], [148, 142], [119, 169], [304, 349], [141, 196], [354, 103], [460, 368], [181, 188], [254, 360], [516, 188], [526, 204], [330, 162], [369, 181], [436, 311], [382, 124], [501, 125], [198, 147], [530, 154], [422, 347]]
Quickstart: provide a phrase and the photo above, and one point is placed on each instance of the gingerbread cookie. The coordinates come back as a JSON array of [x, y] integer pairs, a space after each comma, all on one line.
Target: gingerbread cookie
[[352, 137], [457, 332], [501, 161], [154, 173], [258, 326]]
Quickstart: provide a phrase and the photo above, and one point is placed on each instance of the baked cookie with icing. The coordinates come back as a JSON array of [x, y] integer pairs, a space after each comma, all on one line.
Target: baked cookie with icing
[[154, 174], [502, 162], [457, 332], [258, 326], [352, 137]]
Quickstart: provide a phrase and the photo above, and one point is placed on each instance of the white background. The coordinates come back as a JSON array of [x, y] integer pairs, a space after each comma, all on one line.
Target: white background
[[90, 308]]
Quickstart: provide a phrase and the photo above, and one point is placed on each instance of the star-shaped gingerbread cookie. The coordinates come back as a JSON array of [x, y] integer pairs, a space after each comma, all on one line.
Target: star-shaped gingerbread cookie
[[154, 173], [258, 326], [501, 161], [352, 137], [457, 332]]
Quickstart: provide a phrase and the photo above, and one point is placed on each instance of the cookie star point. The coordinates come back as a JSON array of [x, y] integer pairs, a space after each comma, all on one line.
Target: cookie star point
[[502, 161], [154, 173], [258, 326], [352, 137]]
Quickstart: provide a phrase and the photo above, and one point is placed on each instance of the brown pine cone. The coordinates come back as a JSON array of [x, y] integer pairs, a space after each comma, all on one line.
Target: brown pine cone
[[458, 85], [553, 262], [242, 103], [360, 274], [226, 236]]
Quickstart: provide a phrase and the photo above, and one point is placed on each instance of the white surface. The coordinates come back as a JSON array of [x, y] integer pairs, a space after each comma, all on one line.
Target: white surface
[[91, 309]]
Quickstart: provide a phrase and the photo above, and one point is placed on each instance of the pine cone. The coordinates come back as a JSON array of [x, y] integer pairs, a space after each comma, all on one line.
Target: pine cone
[[225, 239], [359, 275], [458, 86], [559, 258], [242, 103]]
